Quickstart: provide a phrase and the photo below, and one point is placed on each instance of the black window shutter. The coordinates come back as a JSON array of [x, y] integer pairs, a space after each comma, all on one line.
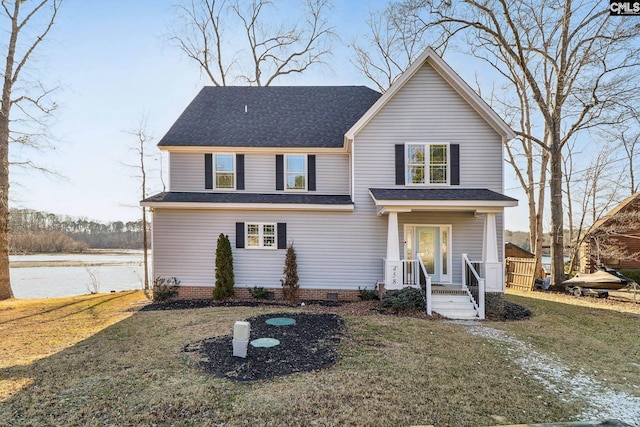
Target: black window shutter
[[239, 171], [400, 172], [239, 234], [282, 235], [279, 172], [208, 171], [455, 163], [311, 171]]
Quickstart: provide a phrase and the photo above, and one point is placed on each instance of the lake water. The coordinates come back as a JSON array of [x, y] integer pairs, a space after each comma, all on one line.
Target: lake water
[[59, 275]]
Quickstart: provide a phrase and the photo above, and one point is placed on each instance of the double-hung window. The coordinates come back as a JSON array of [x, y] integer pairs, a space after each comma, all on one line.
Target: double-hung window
[[261, 236], [296, 172], [225, 171], [427, 164]]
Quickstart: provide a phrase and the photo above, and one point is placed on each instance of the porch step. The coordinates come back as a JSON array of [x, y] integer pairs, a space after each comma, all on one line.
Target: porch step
[[453, 306]]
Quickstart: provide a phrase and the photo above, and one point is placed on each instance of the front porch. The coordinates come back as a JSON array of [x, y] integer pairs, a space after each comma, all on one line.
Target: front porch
[[448, 242], [455, 301]]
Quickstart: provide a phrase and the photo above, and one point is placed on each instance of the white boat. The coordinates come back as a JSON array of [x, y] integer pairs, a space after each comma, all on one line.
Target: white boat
[[601, 280]]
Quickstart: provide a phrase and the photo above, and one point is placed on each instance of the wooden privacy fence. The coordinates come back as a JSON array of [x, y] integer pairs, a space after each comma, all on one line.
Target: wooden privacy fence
[[520, 273]]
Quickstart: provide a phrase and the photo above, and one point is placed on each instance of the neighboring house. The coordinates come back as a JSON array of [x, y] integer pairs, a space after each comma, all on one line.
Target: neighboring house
[[511, 250], [360, 183], [614, 240]]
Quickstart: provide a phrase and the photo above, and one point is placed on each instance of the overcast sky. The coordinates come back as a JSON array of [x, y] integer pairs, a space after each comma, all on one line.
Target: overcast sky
[[113, 64]]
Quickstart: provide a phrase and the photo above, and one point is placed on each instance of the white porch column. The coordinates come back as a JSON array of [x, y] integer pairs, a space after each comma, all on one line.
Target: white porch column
[[494, 275], [393, 265], [393, 240]]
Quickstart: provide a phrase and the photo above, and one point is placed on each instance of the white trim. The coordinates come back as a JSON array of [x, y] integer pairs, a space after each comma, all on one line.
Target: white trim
[[250, 206], [261, 244], [253, 150], [455, 81], [285, 172], [449, 276], [427, 165], [215, 172]]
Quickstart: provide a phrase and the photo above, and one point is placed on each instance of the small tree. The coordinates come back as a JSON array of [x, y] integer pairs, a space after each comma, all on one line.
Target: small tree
[[290, 284], [224, 269]]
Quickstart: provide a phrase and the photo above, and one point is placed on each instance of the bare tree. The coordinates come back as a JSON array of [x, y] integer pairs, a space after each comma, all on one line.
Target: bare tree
[[394, 41], [589, 194], [626, 135], [577, 61], [36, 17], [142, 139], [269, 50]]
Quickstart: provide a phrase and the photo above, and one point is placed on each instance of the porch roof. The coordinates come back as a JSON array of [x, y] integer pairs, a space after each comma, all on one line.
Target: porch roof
[[233, 200], [451, 199]]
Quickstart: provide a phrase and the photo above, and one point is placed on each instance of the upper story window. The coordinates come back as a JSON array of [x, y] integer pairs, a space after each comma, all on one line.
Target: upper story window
[[224, 171], [427, 164], [296, 172]]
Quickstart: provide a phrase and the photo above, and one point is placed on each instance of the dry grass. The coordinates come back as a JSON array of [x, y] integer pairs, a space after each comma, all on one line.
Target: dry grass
[[595, 336], [89, 361]]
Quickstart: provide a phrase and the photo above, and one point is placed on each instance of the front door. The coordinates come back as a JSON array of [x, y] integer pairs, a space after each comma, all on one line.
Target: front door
[[427, 246], [432, 244]]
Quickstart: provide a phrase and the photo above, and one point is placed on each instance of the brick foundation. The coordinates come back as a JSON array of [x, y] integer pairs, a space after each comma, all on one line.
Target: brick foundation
[[205, 292]]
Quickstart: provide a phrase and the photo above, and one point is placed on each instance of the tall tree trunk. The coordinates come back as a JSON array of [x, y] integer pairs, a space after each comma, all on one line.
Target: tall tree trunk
[[5, 279], [5, 110], [557, 220]]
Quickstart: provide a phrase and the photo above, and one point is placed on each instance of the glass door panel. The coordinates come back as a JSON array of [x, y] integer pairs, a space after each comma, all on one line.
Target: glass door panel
[[428, 247]]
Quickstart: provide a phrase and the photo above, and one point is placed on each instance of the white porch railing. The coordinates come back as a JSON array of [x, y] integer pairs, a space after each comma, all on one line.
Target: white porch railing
[[414, 275], [473, 284]]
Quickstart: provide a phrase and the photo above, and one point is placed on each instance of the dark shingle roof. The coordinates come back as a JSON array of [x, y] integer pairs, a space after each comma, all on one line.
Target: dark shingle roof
[[302, 198], [453, 194], [276, 116]]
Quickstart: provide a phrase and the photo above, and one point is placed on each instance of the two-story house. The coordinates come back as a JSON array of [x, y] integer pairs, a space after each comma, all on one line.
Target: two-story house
[[396, 189]]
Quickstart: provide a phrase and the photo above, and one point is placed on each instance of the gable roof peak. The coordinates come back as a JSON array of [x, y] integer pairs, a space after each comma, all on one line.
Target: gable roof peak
[[452, 78]]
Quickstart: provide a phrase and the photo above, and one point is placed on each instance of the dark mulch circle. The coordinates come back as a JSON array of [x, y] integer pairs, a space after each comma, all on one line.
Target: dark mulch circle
[[310, 344]]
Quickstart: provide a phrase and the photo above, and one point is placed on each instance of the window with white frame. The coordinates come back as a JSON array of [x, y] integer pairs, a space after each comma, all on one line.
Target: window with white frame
[[225, 171], [261, 236], [296, 172], [427, 164]]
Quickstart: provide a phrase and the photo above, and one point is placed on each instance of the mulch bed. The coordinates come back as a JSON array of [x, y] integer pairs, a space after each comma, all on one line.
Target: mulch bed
[[190, 304], [310, 344]]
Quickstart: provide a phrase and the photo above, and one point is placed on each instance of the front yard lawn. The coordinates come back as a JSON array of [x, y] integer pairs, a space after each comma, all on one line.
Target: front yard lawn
[[96, 360]]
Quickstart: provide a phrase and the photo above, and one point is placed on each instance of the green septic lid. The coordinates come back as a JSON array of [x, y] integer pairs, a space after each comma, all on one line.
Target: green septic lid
[[281, 321], [265, 342]]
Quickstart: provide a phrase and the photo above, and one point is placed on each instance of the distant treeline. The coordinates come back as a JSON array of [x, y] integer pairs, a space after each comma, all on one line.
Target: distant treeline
[[35, 231]]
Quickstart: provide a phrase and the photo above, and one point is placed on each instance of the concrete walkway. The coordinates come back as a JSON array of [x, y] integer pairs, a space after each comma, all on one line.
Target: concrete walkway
[[602, 402]]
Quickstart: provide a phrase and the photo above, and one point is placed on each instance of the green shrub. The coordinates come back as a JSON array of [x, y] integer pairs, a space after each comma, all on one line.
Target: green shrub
[[367, 295], [404, 299], [224, 269], [289, 283], [165, 288], [632, 274], [258, 292]]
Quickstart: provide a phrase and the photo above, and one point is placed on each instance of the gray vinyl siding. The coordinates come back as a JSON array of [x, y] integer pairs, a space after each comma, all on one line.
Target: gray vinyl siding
[[260, 173], [333, 174], [339, 250], [330, 255], [186, 173], [427, 110]]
